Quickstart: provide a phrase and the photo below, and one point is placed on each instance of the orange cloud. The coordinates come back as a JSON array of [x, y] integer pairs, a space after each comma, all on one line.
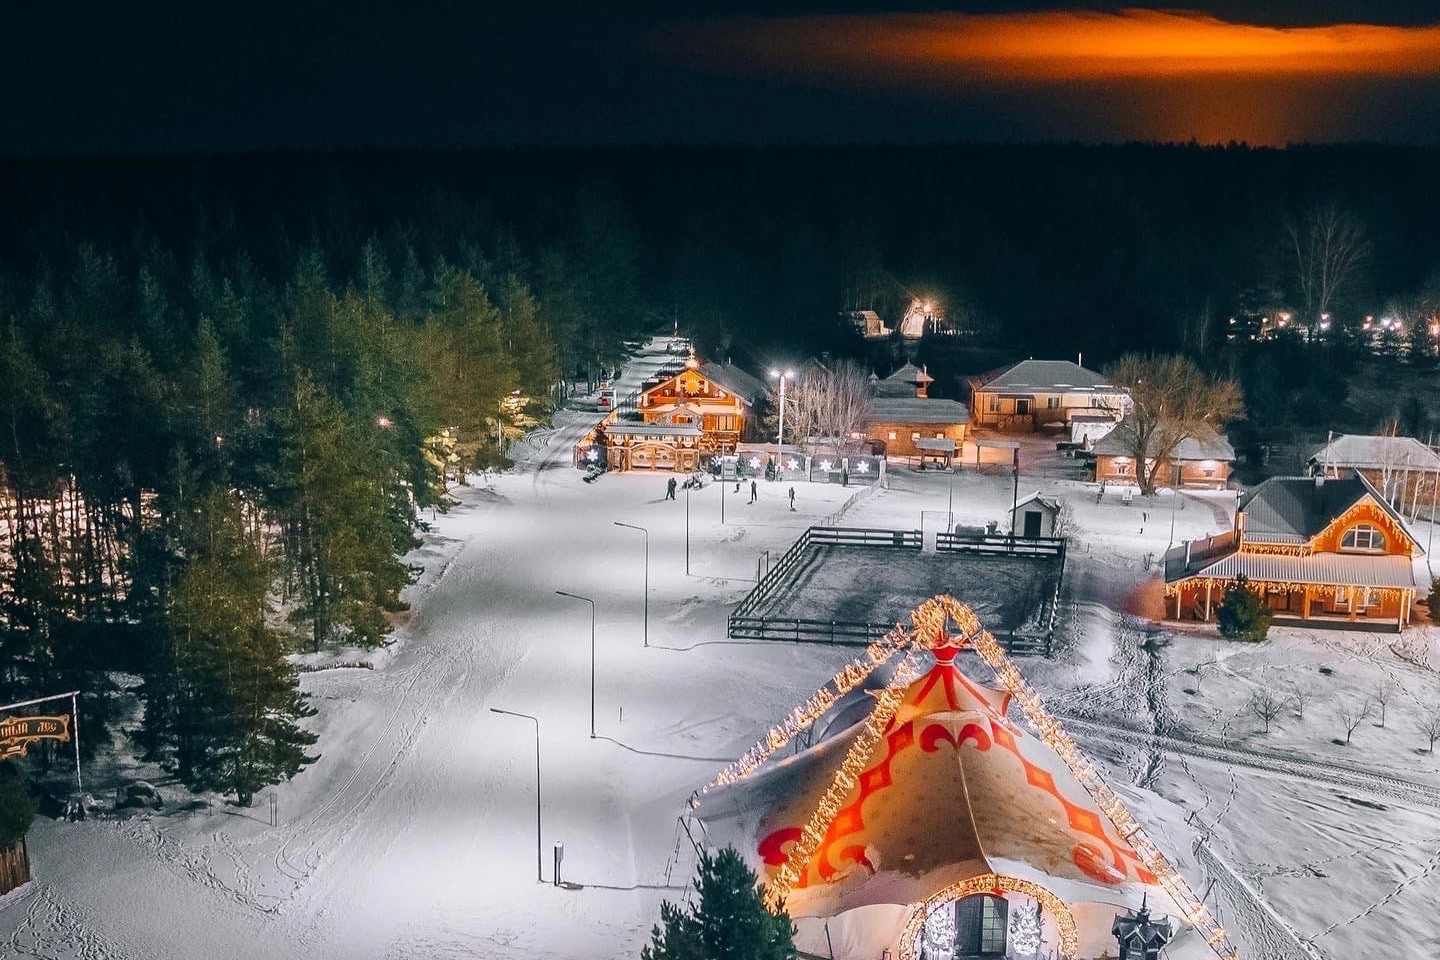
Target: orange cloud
[[1055, 46]]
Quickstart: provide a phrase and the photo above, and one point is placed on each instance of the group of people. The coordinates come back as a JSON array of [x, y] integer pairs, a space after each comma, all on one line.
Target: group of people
[[671, 486]]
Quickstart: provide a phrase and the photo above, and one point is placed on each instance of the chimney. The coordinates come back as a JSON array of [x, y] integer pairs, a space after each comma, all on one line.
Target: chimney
[[1319, 480]]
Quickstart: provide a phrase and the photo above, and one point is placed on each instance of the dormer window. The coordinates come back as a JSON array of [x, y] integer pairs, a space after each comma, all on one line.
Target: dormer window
[[1363, 538]]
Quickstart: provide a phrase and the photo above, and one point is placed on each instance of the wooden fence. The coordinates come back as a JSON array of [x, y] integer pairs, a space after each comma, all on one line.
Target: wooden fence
[[997, 545], [14, 867], [745, 623]]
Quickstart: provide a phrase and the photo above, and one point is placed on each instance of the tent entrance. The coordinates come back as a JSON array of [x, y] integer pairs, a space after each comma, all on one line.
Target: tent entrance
[[971, 928]]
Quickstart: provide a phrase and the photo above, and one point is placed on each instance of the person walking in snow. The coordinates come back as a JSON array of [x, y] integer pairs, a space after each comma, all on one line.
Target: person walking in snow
[[792, 499], [670, 489], [754, 491]]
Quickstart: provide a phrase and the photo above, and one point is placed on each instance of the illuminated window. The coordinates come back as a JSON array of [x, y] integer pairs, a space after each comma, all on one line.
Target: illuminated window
[[892, 434], [915, 437], [940, 435], [1363, 537]]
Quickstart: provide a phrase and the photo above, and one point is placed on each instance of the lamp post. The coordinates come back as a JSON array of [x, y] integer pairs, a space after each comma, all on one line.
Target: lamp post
[[782, 376], [687, 531], [539, 860], [633, 526], [576, 596]]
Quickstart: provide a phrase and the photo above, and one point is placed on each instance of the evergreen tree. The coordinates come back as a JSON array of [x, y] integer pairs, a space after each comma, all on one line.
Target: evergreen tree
[[17, 810], [223, 709], [1241, 613], [728, 922]]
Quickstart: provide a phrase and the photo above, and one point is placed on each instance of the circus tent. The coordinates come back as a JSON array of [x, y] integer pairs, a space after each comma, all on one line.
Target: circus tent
[[922, 794]]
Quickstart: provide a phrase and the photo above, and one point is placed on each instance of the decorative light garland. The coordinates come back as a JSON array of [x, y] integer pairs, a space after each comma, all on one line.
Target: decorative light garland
[[994, 883], [803, 716], [811, 835], [931, 620]]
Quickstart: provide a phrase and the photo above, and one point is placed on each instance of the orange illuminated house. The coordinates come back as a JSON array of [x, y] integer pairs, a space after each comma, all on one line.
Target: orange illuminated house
[[681, 419], [1312, 547]]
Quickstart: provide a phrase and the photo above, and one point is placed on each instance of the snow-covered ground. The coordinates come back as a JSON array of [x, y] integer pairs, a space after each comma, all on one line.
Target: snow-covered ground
[[413, 836]]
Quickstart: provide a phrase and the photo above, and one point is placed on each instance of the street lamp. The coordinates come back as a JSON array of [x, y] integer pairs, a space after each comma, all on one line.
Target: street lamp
[[539, 859], [633, 526], [687, 530], [576, 596], [782, 376]]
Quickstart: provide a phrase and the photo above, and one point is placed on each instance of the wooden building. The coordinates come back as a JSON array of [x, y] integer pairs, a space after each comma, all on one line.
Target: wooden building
[[1403, 469], [1035, 516], [681, 418], [1042, 394], [902, 413], [1312, 547], [1203, 461]]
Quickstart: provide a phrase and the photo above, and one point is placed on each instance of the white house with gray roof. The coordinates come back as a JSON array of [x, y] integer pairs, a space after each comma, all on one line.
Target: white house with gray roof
[[1042, 394]]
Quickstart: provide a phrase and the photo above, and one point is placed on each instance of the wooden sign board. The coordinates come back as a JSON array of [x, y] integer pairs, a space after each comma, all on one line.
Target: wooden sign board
[[17, 733]]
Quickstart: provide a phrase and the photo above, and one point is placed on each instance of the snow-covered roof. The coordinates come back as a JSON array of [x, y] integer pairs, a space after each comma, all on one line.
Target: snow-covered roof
[[936, 444], [1204, 444], [1047, 503], [631, 428], [1348, 569], [732, 378], [911, 374], [1048, 376], [1375, 452], [917, 410], [1291, 510]]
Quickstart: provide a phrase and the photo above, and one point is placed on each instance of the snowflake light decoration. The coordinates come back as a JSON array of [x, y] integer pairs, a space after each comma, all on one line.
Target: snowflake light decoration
[[792, 464], [862, 467], [827, 465], [754, 463], [590, 455]]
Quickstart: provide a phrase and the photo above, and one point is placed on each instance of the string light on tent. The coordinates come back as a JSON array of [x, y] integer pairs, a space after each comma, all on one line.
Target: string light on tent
[[841, 784], [931, 621]]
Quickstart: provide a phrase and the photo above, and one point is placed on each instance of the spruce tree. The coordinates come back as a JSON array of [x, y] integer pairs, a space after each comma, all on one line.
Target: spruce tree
[[1241, 613], [729, 921], [17, 810], [224, 710]]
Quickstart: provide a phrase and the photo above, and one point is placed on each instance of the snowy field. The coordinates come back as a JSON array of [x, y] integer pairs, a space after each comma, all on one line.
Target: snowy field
[[882, 585], [413, 836]]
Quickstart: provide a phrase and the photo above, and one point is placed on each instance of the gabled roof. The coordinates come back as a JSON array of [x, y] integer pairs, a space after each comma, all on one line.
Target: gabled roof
[[732, 378], [1375, 452], [1205, 444], [917, 410], [1296, 509], [911, 374], [1346, 569], [1053, 376], [1048, 504]]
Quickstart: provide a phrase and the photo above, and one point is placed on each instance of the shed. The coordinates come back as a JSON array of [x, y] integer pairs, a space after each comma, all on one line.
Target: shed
[[1035, 516]]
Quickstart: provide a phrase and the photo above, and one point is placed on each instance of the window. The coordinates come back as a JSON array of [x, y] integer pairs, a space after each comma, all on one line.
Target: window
[[1363, 538], [1097, 401], [940, 435], [915, 437], [892, 434], [1209, 473], [980, 926], [1052, 403], [994, 403], [1022, 407]]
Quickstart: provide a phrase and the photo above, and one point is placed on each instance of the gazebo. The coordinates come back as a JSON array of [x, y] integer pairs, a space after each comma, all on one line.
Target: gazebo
[[921, 816]]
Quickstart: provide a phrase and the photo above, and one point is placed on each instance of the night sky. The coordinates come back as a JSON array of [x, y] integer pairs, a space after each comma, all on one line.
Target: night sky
[[160, 78]]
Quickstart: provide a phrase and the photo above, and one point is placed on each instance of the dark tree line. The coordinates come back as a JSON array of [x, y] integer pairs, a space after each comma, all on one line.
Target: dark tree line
[[208, 467], [228, 385]]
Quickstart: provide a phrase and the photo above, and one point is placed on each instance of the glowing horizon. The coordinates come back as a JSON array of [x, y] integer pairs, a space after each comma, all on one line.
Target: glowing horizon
[[1132, 74], [1060, 45]]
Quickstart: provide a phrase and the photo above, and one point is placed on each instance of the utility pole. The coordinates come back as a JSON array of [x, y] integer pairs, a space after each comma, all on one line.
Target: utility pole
[[633, 526], [576, 596], [539, 857]]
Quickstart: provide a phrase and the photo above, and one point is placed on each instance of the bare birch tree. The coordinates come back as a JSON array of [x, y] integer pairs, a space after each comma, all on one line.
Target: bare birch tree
[[1170, 399], [825, 402], [1266, 706], [1430, 726], [1330, 248], [1352, 713]]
